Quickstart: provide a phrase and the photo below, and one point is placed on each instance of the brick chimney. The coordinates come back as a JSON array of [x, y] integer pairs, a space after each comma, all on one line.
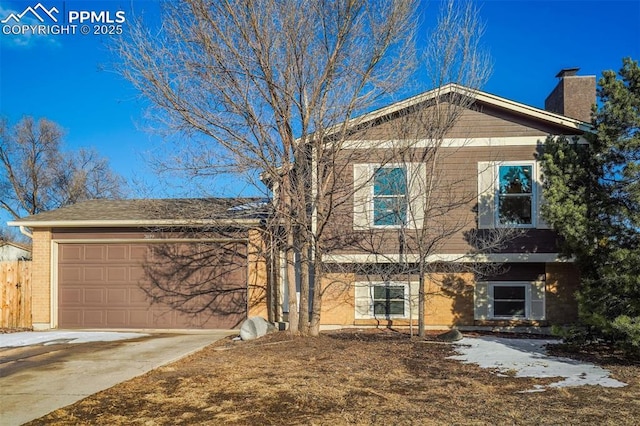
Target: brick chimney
[[573, 96]]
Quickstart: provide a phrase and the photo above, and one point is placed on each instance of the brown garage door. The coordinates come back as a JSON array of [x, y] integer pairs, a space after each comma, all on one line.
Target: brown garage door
[[186, 285]]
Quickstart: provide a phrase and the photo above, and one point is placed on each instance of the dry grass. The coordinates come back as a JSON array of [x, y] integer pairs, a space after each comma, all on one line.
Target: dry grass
[[349, 377]]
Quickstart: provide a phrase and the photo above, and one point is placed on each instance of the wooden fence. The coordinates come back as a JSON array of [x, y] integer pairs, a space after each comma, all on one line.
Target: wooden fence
[[15, 294]]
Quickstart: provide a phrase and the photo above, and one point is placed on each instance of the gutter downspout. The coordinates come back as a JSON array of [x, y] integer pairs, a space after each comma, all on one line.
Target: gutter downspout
[[23, 231]]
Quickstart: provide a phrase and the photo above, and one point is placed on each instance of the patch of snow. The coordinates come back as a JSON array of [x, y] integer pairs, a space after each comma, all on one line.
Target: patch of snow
[[28, 338], [528, 358]]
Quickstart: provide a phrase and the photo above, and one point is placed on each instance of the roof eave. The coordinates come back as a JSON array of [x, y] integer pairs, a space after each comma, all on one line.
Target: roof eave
[[133, 223], [534, 112]]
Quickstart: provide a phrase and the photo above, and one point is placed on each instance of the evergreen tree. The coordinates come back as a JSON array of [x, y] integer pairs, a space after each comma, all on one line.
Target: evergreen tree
[[593, 194]]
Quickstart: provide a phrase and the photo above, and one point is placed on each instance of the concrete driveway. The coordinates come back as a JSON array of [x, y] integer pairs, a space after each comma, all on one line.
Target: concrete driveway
[[40, 378]]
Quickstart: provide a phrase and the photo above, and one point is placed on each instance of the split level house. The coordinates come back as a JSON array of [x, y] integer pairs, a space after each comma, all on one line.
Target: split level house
[[441, 190]]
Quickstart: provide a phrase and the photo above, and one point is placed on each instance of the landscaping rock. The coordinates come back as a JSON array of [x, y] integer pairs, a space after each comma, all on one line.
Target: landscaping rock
[[255, 327], [451, 336]]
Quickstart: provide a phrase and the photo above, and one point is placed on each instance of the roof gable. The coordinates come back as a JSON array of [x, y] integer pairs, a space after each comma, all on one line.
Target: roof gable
[[482, 102], [18, 246]]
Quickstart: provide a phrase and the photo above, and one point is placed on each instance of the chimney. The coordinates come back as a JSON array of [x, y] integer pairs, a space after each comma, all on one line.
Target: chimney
[[573, 96]]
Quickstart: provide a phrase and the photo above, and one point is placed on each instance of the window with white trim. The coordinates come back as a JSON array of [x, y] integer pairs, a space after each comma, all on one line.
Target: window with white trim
[[390, 196], [389, 300], [515, 200], [509, 194], [385, 300], [510, 300]]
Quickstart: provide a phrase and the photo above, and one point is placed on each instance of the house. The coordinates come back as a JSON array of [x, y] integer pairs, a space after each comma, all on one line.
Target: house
[[477, 241], [147, 264], [490, 261], [14, 251]]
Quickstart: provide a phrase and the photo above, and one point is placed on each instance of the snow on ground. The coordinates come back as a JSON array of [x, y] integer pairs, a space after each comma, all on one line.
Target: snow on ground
[[521, 357], [29, 338], [528, 358]]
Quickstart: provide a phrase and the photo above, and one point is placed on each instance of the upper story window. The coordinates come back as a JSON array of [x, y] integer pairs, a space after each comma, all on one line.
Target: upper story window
[[390, 196], [509, 194], [515, 200]]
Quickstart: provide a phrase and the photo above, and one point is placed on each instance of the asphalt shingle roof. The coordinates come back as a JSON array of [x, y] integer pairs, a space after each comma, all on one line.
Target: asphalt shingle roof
[[153, 210]]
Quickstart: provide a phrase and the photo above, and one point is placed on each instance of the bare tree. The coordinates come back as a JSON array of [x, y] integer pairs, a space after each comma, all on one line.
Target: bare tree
[[269, 89], [36, 175], [431, 204], [263, 81]]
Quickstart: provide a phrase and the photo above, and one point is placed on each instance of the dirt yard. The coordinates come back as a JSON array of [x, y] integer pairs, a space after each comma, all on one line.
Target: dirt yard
[[348, 377]]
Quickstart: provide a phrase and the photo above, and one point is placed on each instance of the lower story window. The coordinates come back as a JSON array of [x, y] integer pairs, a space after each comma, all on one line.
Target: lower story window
[[388, 300], [385, 300], [509, 301]]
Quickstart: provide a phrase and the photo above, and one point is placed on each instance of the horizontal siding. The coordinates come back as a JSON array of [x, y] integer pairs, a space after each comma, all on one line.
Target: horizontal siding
[[479, 121], [454, 202]]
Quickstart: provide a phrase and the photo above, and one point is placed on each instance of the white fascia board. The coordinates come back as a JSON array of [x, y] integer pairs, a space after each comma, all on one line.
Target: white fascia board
[[453, 258], [534, 112], [131, 223], [449, 142], [150, 240], [397, 106]]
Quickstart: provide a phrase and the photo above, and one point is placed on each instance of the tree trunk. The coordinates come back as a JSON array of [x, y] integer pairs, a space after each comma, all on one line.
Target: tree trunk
[[303, 318], [314, 327], [421, 299]]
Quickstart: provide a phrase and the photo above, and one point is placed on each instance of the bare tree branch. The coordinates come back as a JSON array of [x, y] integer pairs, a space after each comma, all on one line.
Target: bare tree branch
[[35, 175], [270, 89]]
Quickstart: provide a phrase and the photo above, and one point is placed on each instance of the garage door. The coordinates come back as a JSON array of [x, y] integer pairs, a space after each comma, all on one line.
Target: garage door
[[185, 285]]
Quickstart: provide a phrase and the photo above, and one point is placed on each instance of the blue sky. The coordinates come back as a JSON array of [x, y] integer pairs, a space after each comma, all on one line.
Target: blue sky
[[69, 78]]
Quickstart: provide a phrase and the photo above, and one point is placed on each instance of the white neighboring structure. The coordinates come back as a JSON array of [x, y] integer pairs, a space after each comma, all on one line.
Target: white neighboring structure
[[14, 251]]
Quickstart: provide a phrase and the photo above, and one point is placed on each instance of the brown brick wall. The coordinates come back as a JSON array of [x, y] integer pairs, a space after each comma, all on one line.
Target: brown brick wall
[[563, 280], [573, 97], [449, 299]]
